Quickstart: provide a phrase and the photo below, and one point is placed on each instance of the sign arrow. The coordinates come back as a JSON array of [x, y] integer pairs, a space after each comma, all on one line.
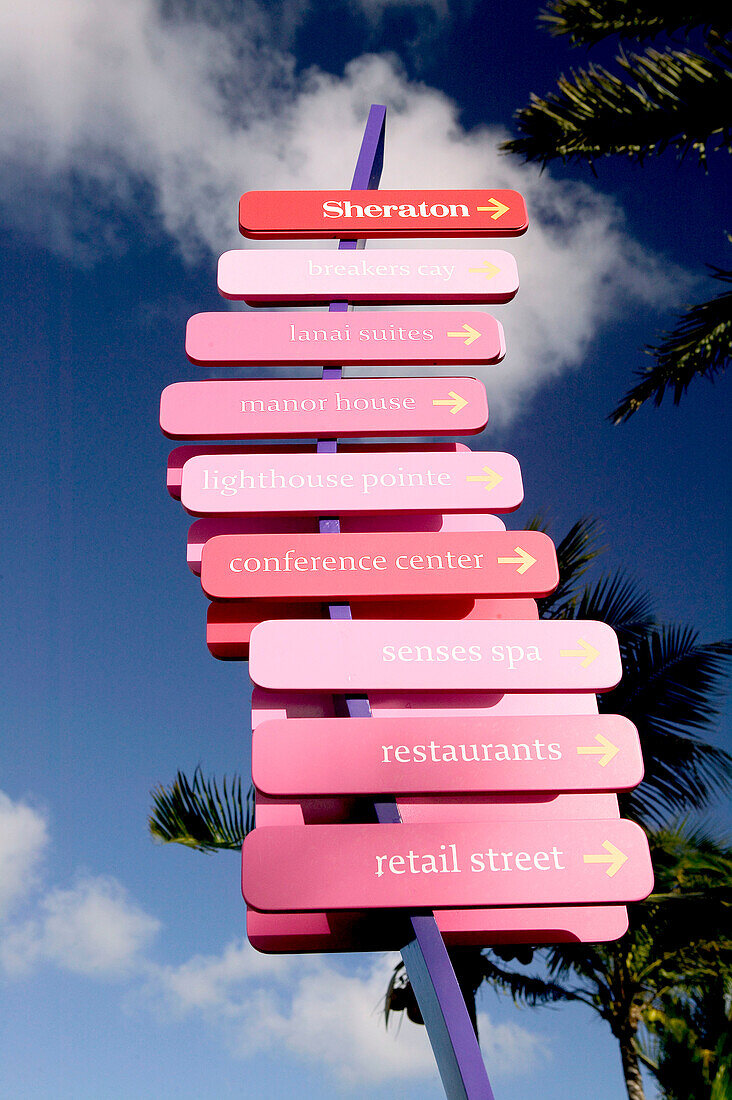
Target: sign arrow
[[615, 858], [469, 332], [458, 403], [490, 477], [605, 749], [586, 651], [488, 269], [524, 560], [496, 208]]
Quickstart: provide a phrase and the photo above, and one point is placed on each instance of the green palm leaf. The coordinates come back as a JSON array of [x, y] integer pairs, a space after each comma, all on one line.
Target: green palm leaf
[[575, 553], [587, 22], [698, 346], [200, 815]]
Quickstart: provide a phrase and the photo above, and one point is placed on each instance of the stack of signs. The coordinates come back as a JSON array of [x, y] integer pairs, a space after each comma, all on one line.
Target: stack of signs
[[484, 727]]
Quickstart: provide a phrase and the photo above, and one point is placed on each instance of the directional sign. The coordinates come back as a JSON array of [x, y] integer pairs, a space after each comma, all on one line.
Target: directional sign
[[370, 756], [243, 339], [376, 275], [229, 623], [180, 455], [339, 566], [276, 408], [332, 484], [291, 215], [204, 529], [550, 655], [369, 931], [440, 865]]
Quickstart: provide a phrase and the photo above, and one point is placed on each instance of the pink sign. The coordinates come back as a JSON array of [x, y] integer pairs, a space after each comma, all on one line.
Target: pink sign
[[276, 408], [340, 566], [376, 275], [332, 484], [229, 624], [440, 865], [180, 455], [204, 529], [423, 655], [369, 931], [370, 756], [243, 339]]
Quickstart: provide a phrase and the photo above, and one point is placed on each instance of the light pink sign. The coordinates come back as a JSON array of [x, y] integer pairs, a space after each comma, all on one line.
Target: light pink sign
[[243, 339], [374, 275], [180, 455], [276, 408], [204, 529], [445, 865], [422, 655], [332, 484], [369, 931], [358, 566], [369, 756], [229, 623]]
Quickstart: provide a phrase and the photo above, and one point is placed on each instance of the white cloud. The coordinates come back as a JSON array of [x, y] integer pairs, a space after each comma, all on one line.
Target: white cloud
[[23, 840], [313, 1008], [93, 928], [187, 113]]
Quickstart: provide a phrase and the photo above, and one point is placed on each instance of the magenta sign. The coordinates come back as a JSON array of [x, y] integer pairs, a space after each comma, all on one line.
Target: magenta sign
[[269, 408], [375, 275], [416, 655], [324, 484], [241, 339], [441, 865], [311, 757]]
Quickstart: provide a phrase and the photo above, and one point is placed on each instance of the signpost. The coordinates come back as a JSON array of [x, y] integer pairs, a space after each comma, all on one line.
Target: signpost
[[274, 407], [301, 567], [424, 655], [420, 481], [480, 717], [396, 339], [378, 275], [289, 215]]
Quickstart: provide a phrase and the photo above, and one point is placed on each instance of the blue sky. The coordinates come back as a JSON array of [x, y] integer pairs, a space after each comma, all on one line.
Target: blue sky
[[129, 132]]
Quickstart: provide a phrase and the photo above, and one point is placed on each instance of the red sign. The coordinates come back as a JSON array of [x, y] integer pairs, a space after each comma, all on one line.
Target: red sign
[[423, 655], [338, 566], [396, 339], [276, 408], [229, 624], [441, 865], [370, 931], [313, 757], [291, 215]]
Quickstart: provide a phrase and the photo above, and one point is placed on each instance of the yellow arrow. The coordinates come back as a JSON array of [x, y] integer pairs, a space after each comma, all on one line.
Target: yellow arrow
[[497, 208], [524, 561], [605, 749], [488, 269], [586, 650], [490, 476], [614, 857], [469, 332], [458, 403]]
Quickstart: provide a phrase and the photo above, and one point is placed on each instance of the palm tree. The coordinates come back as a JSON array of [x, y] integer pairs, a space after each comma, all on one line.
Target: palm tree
[[661, 99]]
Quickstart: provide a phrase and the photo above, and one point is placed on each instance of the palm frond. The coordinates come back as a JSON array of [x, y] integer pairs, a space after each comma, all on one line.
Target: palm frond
[[698, 346], [614, 600], [587, 22], [671, 689], [575, 553], [679, 99], [199, 815]]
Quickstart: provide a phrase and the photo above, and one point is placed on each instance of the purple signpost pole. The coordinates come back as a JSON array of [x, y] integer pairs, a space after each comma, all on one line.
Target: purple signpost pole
[[430, 971]]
